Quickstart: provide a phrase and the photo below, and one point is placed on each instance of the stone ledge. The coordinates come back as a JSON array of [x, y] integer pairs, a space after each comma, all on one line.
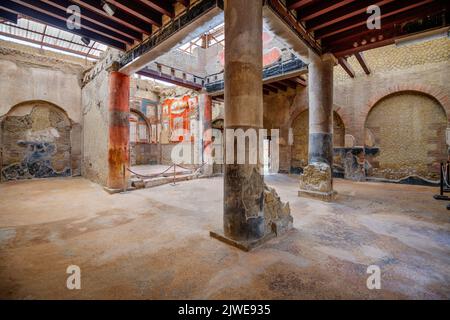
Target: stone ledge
[[324, 196], [243, 245]]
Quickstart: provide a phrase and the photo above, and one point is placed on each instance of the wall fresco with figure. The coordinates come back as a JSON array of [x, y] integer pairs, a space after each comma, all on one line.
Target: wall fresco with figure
[[178, 118], [36, 142]]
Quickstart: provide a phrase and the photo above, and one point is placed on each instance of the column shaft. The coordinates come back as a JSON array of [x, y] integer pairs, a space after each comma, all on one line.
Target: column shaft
[[119, 135], [320, 110], [243, 183]]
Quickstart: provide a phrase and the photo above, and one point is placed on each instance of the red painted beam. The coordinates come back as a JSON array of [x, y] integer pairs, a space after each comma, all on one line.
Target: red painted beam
[[296, 4]]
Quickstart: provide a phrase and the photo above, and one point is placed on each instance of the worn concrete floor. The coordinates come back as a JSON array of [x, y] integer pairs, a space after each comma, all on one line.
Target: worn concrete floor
[[154, 243]]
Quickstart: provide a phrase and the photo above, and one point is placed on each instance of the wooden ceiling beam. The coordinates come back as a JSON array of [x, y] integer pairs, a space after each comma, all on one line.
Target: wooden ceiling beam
[[361, 20], [343, 13], [291, 84], [362, 61], [297, 4], [139, 11], [301, 81], [61, 14], [322, 7], [120, 17], [8, 16], [355, 35], [270, 88], [185, 3], [31, 11], [162, 6], [98, 19], [347, 67], [279, 86]]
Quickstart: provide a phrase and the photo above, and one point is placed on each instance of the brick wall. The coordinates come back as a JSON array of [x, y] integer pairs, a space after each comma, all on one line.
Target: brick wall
[[421, 72]]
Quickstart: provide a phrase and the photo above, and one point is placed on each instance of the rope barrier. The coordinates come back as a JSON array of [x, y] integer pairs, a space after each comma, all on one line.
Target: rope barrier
[[161, 173]]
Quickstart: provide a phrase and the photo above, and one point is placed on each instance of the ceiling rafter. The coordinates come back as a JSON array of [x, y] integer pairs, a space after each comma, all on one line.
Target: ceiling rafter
[[26, 10], [362, 61], [138, 10], [120, 17], [61, 14], [98, 19]]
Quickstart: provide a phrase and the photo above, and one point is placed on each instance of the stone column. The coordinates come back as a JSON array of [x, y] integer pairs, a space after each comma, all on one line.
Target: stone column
[[205, 112], [243, 184], [119, 135], [316, 179]]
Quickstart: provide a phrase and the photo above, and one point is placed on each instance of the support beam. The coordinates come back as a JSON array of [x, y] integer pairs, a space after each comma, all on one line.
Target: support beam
[[291, 84], [119, 133], [297, 4], [388, 10], [270, 88], [162, 6], [301, 81], [343, 13], [362, 61], [321, 8], [8, 16], [120, 17], [185, 3], [170, 79], [278, 85], [61, 14], [139, 11], [347, 67], [98, 19]]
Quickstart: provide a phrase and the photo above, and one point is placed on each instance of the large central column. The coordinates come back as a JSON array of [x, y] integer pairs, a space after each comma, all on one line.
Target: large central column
[[316, 179], [243, 184]]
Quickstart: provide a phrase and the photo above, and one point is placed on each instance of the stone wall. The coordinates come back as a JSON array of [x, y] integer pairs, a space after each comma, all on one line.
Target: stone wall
[[40, 112], [95, 128], [30, 74], [409, 130], [418, 75]]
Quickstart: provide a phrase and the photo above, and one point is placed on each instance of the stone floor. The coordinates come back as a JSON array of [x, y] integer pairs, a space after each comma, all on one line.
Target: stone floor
[[154, 243]]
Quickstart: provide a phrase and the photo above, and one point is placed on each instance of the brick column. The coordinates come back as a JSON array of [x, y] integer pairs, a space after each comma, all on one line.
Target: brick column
[[119, 133]]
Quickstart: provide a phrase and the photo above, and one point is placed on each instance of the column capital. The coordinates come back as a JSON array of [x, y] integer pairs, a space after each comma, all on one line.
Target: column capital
[[329, 57]]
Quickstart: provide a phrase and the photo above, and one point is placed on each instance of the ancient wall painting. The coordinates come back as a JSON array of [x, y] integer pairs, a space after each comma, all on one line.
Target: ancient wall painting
[[36, 142], [177, 116]]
